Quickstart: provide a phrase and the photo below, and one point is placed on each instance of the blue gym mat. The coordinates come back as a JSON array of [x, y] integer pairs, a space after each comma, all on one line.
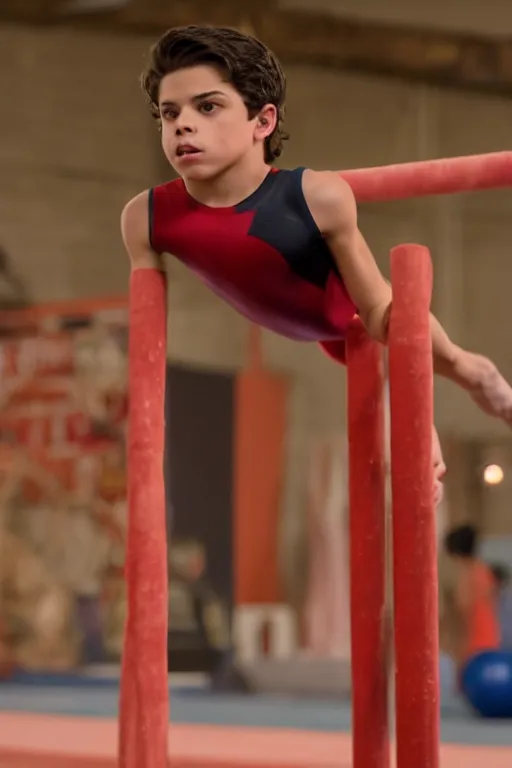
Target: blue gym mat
[[72, 695]]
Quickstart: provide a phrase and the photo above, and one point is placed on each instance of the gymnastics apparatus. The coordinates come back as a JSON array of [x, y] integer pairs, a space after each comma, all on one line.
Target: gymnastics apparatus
[[144, 711]]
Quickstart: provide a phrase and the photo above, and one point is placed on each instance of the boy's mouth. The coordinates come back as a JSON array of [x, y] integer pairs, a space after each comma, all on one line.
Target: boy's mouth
[[187, 149]]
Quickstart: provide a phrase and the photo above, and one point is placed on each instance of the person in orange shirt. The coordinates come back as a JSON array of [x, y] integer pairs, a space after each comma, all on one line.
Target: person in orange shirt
[[474, 596]]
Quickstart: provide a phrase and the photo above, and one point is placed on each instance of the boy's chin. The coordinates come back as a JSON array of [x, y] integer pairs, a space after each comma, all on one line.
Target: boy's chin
[[197, 174]]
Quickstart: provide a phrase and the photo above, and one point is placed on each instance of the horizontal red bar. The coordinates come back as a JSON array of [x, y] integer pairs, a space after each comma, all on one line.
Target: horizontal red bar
[[431, 177]]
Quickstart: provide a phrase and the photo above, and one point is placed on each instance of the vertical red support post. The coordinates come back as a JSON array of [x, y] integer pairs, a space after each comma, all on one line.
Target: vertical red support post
[[144, 702], [369, 630], [414, 535]]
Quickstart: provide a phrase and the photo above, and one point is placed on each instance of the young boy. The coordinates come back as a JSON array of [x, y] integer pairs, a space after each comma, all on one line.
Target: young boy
[[281, 246]]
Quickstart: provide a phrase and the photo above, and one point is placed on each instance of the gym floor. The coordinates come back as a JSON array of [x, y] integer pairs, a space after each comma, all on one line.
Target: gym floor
[[74, 724]]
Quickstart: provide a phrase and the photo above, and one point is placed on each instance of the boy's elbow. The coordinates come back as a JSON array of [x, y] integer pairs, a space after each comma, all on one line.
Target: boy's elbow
[[376, 322]]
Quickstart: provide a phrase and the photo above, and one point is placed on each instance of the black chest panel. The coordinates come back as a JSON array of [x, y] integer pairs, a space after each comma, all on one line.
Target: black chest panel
[[283, 220]]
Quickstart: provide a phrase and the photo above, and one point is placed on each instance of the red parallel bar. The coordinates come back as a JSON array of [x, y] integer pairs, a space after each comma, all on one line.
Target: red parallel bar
[[414, 530], [431, 177], [144, 700], [367, 550]]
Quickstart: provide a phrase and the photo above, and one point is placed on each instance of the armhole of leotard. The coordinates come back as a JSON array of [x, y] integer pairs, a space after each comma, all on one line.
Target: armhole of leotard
[[308, 216], [300, 197], [151, 210]]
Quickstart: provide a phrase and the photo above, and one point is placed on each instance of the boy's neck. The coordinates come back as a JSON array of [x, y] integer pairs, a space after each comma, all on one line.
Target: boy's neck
[[232, 186]]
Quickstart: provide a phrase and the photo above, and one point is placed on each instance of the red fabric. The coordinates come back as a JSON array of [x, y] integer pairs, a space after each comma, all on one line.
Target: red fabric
[[144, 705], [478, 592], [245, 270], [336, 350]]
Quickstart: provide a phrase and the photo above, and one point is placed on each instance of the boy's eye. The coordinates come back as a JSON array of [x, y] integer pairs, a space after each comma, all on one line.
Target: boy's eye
[[207, 106]]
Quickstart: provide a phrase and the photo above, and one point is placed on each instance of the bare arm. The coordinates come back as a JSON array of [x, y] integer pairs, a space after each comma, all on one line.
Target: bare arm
[[135, 233], [333, 207]]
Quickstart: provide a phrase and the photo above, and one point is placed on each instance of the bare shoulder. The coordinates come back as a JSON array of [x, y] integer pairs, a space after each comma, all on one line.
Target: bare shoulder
[[330, 200], [135, 231], [135, 216]]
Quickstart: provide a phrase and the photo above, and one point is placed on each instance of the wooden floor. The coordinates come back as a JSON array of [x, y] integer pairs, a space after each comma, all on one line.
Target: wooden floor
[[40, 741]]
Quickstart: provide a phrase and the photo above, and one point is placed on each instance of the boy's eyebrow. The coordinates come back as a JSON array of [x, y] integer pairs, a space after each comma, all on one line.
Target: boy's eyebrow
[[199, 97]]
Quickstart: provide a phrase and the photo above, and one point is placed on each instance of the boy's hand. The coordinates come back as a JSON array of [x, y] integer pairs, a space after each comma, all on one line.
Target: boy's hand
[[439, 467], [485, 384]]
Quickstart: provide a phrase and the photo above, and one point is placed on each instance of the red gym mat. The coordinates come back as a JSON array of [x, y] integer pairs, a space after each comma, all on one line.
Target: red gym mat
[[36, 741]]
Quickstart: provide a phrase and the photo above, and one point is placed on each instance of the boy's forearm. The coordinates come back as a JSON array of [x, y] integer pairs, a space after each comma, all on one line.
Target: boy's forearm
[[444, 351], [468, 370], [450, 361], [446, 354]]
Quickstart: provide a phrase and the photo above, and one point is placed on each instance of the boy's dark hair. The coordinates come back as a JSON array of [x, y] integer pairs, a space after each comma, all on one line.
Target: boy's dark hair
[[462, 541], [247, 63]]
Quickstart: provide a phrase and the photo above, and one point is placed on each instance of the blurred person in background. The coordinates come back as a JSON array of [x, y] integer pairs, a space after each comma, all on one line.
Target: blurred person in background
[[504, 597], [470, 602]]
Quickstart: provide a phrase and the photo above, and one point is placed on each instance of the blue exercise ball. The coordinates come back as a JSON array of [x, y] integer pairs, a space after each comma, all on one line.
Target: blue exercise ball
[[487, 683]]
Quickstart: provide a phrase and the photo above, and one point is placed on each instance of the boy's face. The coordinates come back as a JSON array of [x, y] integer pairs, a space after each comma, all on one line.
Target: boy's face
[[205, 125]]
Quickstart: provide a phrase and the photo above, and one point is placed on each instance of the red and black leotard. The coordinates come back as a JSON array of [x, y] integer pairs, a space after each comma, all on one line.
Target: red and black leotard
[[265, 256]]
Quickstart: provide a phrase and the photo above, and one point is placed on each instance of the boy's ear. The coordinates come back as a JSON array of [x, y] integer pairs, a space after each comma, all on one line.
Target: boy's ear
[[266, 121]]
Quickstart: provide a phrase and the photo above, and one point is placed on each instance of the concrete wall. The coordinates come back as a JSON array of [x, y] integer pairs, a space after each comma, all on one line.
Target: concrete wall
[[493, 18]]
